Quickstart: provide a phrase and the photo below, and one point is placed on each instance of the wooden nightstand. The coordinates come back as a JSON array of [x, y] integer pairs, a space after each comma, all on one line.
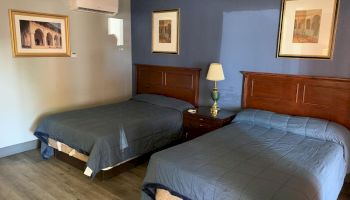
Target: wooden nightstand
[[202, 122]]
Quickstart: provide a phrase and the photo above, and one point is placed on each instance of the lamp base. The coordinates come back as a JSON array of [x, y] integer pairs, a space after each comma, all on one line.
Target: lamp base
[[214, 111], [215, 95]]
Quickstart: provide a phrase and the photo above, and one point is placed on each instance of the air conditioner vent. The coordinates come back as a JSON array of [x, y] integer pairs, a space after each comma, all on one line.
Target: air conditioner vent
[[109, 7], [95, 11]]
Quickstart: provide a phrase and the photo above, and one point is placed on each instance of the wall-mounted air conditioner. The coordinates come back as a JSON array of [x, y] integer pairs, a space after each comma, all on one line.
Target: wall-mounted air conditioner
[[109, 7]]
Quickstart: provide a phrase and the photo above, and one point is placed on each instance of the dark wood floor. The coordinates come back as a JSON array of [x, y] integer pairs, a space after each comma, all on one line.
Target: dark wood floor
[[27, 176]]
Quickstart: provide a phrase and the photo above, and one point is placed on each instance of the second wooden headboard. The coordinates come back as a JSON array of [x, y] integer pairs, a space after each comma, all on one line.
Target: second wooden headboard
[[178, 82], [321, 97]]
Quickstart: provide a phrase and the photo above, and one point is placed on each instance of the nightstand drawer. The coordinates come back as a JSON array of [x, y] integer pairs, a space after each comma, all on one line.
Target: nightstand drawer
[[199, 120], [196, 124], [202, 122]]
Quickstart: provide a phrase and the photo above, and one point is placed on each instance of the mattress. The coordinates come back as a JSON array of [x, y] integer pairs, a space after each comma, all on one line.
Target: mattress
[[112, 134], [262, 155]]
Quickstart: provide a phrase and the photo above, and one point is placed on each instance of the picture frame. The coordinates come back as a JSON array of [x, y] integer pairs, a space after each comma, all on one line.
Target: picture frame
[[307, 28], [36, 34], [166, 31]]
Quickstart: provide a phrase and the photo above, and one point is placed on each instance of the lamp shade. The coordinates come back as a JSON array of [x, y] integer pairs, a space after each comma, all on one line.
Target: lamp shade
[[215, 72]]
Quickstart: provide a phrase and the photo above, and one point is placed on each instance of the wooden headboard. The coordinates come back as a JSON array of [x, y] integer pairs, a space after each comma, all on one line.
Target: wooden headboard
[[321, 97], [178, 82]]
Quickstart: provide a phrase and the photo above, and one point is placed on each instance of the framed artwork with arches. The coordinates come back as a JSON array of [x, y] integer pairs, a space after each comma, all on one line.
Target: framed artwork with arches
[[39, 34]]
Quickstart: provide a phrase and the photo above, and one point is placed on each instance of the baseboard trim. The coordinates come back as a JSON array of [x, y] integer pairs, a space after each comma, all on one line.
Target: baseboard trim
[[18, 148]]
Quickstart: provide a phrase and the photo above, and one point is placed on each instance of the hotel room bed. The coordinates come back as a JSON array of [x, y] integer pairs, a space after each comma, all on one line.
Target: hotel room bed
[[261, 155], [114, 133], [107, 136], [291, 141]]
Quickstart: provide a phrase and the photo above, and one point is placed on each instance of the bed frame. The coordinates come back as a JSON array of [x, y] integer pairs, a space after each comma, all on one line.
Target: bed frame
[[178, 82], [320, 97]]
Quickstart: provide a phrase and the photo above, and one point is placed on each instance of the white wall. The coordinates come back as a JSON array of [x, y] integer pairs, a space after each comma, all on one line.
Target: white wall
[[31, 87]]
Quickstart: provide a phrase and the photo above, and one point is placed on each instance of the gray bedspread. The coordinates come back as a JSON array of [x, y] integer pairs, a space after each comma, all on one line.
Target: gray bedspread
[[114, 133], [260, 156]]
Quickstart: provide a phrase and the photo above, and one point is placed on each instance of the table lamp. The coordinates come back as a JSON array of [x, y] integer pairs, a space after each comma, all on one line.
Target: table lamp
[[215, 74]]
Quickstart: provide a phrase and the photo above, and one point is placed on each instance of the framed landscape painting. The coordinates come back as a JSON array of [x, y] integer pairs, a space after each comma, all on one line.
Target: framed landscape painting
[[39, 34], [307, 28], [165, 31]]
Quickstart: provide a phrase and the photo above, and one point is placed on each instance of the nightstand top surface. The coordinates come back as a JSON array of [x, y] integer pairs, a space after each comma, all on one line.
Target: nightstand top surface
[[204, 111]]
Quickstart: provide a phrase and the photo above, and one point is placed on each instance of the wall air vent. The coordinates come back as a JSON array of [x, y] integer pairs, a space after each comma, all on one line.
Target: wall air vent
[[108, 7]]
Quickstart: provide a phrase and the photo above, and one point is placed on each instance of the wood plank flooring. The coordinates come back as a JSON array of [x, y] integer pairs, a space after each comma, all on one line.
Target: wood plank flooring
[[27, 176]]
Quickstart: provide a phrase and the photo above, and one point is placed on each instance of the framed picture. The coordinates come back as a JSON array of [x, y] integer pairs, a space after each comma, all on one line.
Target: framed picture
[[38, 34], [165, 31], [307, 28]]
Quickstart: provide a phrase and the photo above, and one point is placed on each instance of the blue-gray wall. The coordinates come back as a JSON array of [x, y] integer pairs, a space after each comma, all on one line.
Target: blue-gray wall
[[240, 34]]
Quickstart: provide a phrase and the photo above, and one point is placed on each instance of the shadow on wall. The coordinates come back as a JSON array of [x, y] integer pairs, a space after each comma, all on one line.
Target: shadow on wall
[[202, 29], [249, 43], [242, 35]]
